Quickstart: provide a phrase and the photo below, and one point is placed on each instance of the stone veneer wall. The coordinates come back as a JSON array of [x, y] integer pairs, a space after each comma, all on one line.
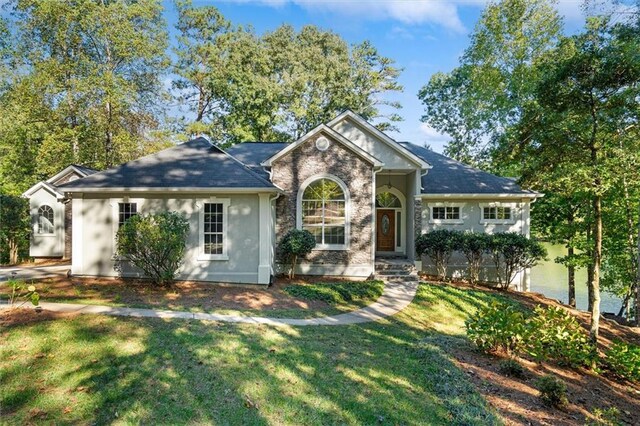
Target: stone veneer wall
[[293, 169]]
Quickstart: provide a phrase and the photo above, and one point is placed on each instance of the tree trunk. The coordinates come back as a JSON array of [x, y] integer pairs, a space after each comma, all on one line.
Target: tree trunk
[[597, 260], [571, 279], [13, 251], [589, 271], [638, 281]]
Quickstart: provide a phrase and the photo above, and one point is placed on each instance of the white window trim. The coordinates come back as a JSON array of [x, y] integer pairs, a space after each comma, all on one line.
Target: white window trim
[[37, 222], [512, 206], [347, 210], [460, 221], [115, 216], [202, 256]]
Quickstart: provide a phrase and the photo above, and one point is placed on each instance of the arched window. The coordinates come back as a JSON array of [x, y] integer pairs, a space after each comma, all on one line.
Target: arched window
[[323, 212], [388, 200], [45, 220]]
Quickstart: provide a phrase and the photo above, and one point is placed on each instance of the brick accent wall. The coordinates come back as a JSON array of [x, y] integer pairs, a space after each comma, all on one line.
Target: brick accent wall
[[306, 161]]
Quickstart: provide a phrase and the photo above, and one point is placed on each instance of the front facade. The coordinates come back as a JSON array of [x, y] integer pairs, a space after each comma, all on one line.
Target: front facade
[[360, 193]]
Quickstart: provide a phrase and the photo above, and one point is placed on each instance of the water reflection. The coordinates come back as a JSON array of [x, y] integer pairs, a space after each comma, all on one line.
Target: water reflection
[[550, 279]]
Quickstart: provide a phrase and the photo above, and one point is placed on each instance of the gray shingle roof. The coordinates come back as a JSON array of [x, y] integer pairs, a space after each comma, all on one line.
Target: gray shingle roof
[[254, 153], [193, 164], [452, 177], [86, 170]]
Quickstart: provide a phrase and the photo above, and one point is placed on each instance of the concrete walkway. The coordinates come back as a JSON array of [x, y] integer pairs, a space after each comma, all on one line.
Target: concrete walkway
[[33, 272], [396, 297]]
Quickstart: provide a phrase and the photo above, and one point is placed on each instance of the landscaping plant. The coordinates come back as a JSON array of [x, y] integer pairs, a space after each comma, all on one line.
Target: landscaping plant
[[154, 243], [553, 391], [623, 359], [19, 291], [474, 246], [498, 327], [295, 244], [438, 246], [512, 253]]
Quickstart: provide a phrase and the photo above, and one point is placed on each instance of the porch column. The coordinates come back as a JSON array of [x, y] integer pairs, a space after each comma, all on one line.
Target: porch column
[[76, 235], [264, 265]]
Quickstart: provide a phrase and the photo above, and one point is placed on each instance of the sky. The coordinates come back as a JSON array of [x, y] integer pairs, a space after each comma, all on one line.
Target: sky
[[422, 36]]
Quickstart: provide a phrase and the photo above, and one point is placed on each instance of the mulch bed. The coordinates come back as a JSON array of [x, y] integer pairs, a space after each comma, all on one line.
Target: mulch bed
[[181, 295], [19, 316]]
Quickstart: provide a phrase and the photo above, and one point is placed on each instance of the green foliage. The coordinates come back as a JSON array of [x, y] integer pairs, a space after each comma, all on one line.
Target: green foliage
[[511, 367], [550, 334], [554, 334], [498, 327], [338, 292], [154, 243], [513, 253], [604, 417], [21, 293], [623, 359], [553, 391], [242, 86], [485, 94], [474, 246], [439, 245], [15, 228], [295, 244]]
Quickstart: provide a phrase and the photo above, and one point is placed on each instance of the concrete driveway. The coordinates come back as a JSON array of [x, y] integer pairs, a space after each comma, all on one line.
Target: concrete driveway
[[33, 272]]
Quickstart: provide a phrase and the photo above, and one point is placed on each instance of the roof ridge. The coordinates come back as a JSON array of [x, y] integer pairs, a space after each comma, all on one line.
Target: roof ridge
[[247, 168]]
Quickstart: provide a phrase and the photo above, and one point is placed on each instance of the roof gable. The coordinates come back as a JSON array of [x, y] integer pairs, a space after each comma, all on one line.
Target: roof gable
[[323, 128], [375, 142], [196, 164], [75, 169], [43, 185]]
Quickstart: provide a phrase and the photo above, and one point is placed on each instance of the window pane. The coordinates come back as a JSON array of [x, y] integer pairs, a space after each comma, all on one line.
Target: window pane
[[125, 212], [45, 220], [213, 228], [334, 235], [323, 211], [398, 229], [453, 213], [387, 199], [438, 212]]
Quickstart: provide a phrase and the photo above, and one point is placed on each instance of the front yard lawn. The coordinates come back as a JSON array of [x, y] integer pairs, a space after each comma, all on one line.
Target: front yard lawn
[[299, 298], [95, 369]]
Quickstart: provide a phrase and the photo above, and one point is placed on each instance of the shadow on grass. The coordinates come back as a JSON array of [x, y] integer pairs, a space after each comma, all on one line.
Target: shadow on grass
[[101, 370]]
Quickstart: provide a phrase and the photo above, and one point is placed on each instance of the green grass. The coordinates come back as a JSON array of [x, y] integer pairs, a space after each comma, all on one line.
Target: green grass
[[339, 293], [107, 370]]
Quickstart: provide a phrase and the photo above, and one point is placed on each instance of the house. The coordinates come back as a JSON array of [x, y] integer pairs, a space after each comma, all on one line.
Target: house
[[51, 214], [359, 192]]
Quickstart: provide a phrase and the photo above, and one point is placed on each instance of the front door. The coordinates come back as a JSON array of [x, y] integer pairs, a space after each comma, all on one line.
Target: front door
[[386, 237]]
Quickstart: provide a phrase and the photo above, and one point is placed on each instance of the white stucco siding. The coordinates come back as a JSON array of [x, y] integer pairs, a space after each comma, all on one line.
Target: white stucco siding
[[373, 145], [46, 245], [97, 232], [471, 221]]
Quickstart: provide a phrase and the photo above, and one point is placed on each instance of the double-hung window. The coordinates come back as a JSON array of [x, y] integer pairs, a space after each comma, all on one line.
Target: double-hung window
[[213, 229], [125, 212], [497, 213]]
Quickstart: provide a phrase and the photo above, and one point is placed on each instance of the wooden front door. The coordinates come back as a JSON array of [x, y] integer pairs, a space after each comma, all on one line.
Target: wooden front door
[[386, 237]]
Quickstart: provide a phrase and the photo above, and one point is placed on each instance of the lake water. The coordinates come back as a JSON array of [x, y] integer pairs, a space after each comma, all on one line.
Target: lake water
[[550, 279]]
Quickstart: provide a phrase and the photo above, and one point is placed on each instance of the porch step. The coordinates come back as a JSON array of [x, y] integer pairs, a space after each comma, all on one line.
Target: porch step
[[403, 265], [403, 278], [396, 270]]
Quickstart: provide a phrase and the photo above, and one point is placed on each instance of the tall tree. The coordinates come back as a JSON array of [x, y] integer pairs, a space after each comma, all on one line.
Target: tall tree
[[90, 72], [279, 85], [570, 132], [477, 101]]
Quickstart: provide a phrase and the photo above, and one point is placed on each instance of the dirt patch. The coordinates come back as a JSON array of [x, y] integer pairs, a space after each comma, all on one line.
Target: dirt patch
[[19, 316], [517, 400], [183, 295], [43, 262]]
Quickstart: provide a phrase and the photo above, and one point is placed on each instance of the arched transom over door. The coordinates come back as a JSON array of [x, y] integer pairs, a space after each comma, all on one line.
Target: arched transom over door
[[389, 217]]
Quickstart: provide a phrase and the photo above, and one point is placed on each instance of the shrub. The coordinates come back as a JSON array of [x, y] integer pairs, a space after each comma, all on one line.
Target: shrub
[[511, 367], [513, 253], [498, 327], [623, 359], [295, 244], [474, 246], [553, 391], [154, 243], [438, 246], [15, 227], [19, 291], [604, 417], [556, 335]]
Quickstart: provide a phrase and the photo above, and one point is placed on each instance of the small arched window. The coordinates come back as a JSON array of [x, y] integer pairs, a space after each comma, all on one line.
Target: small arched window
[[45, 220], [324, 212]]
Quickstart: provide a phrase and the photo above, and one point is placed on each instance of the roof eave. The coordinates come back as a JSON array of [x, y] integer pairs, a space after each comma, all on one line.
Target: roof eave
[[505, 195], [173, 190]]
